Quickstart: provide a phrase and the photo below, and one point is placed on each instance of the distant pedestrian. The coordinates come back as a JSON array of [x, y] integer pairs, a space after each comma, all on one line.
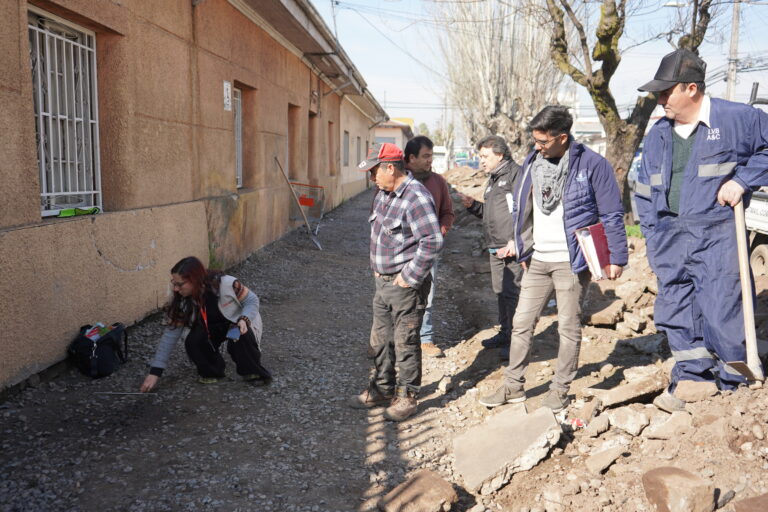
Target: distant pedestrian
[[496, 213], [564, 186], [205, 305], [418, 160], [698, 161], [405, 241]]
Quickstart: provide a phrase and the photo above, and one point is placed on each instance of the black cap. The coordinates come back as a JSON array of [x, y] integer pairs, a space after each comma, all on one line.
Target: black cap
[[680, 66]]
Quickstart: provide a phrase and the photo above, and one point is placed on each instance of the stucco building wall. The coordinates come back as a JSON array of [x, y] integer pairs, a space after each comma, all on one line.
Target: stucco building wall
[[167, 151]]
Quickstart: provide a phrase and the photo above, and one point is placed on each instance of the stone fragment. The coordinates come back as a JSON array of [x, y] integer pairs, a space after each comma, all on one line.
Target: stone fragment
[[600, 461], [489, 454], [638, 372], [695, 391], [589, 411], [597, 426], [630, 292], [424, 491], [623, 330], [553, 500], [647, 312], [653, 285], [756, 504], [628, 392], [678, 423], [445, 384], [671, 489], [634, 322], [609, 315], [628, 420], [652, 344]]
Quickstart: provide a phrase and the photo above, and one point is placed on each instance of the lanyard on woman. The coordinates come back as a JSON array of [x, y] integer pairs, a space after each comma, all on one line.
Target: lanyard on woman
[[204, 314]]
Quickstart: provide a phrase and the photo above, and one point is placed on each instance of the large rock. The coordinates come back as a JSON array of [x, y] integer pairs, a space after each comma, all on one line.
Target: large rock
[[757, 504], [489, 454], [695, 391], [671, 489], [609, 315], [425, 491], [678, 423], [629, 392]]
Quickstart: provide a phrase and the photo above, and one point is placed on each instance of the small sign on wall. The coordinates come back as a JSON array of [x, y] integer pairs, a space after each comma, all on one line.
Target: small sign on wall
[[227, 96]]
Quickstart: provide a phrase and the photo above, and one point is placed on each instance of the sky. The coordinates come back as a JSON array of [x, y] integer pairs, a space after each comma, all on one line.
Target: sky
[[393, 43]]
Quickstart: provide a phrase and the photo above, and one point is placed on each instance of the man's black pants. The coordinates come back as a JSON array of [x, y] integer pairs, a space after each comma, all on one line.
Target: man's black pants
[[395, 343]]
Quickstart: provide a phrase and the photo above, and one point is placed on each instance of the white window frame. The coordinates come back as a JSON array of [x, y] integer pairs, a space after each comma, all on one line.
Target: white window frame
[[66, 112], [237, 103]]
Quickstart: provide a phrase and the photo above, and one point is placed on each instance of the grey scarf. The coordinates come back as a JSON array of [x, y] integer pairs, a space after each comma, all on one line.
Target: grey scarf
[[548, 182]]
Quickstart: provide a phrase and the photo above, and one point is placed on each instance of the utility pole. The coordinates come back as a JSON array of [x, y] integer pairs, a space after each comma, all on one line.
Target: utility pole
[[333, 15], [733, 54]]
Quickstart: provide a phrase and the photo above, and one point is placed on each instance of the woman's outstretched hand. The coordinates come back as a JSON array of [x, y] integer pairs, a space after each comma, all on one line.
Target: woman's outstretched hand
[[150, 381]]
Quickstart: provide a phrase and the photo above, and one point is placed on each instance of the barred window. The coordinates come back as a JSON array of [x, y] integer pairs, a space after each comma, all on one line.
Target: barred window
[[63, 59]]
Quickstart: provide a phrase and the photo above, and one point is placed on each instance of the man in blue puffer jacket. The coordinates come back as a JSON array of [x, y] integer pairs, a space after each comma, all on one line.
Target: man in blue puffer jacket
[[698, 162], [565, 186]]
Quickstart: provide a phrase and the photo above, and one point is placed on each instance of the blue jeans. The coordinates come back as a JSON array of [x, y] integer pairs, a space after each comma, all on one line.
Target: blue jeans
[[426, 325]]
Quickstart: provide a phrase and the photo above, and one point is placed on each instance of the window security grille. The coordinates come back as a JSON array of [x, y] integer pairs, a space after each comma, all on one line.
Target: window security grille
[[237, 101], [63, 59], [346, 148]]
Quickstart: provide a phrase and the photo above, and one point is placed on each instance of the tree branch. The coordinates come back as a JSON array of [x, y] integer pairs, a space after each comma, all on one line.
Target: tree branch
[[559, 46], [582, 36]]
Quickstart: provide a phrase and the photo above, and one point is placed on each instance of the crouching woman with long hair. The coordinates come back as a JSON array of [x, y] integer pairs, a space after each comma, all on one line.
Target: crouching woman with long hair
[[205, 305]]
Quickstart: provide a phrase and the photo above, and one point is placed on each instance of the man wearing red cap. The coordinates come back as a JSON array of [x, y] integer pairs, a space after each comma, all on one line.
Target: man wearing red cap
[[405, 241]]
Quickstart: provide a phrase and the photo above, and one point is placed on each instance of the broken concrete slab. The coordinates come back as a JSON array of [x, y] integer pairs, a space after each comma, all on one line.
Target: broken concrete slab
[[424, 491], [671, 489], [629, 420], [489, 454], [609, 315], [678, 423], [629, 392], [600, 461], [756, 504], [695, 391], [597, 426], [638, 372]]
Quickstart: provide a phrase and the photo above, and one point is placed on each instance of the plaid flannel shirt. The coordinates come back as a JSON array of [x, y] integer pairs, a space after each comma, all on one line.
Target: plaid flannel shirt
[[405, 233]]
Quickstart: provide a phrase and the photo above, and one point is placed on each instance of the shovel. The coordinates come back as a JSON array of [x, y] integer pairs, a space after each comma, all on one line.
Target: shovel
[[751, 369], [298, 203]]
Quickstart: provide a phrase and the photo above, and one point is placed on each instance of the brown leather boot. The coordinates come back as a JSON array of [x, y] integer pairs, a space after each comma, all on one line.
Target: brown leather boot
[[431, 350], [403, 406], [369, 398]]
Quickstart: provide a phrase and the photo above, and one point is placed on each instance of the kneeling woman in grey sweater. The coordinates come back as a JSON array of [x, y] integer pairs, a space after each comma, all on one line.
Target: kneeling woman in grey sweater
[[207, 309]]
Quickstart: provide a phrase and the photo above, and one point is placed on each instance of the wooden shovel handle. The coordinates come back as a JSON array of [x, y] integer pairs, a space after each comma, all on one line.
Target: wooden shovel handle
[[753, 358]]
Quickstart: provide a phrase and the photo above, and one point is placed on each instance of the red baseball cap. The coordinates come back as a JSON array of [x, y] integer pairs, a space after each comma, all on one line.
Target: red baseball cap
[[385, 152]]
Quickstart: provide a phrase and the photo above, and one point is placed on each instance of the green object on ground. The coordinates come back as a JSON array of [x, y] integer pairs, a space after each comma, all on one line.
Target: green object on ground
[[72, 212], [634, 231]]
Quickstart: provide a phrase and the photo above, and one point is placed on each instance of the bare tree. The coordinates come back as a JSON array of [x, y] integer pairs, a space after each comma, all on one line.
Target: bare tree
[[497, 77], [593, 58]]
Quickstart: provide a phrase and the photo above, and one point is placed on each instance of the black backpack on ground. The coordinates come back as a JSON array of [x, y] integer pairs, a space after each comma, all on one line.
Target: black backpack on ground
[[102, 357]]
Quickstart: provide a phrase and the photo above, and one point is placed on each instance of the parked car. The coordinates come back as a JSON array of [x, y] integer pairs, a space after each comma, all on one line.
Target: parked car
[[472, 163]]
